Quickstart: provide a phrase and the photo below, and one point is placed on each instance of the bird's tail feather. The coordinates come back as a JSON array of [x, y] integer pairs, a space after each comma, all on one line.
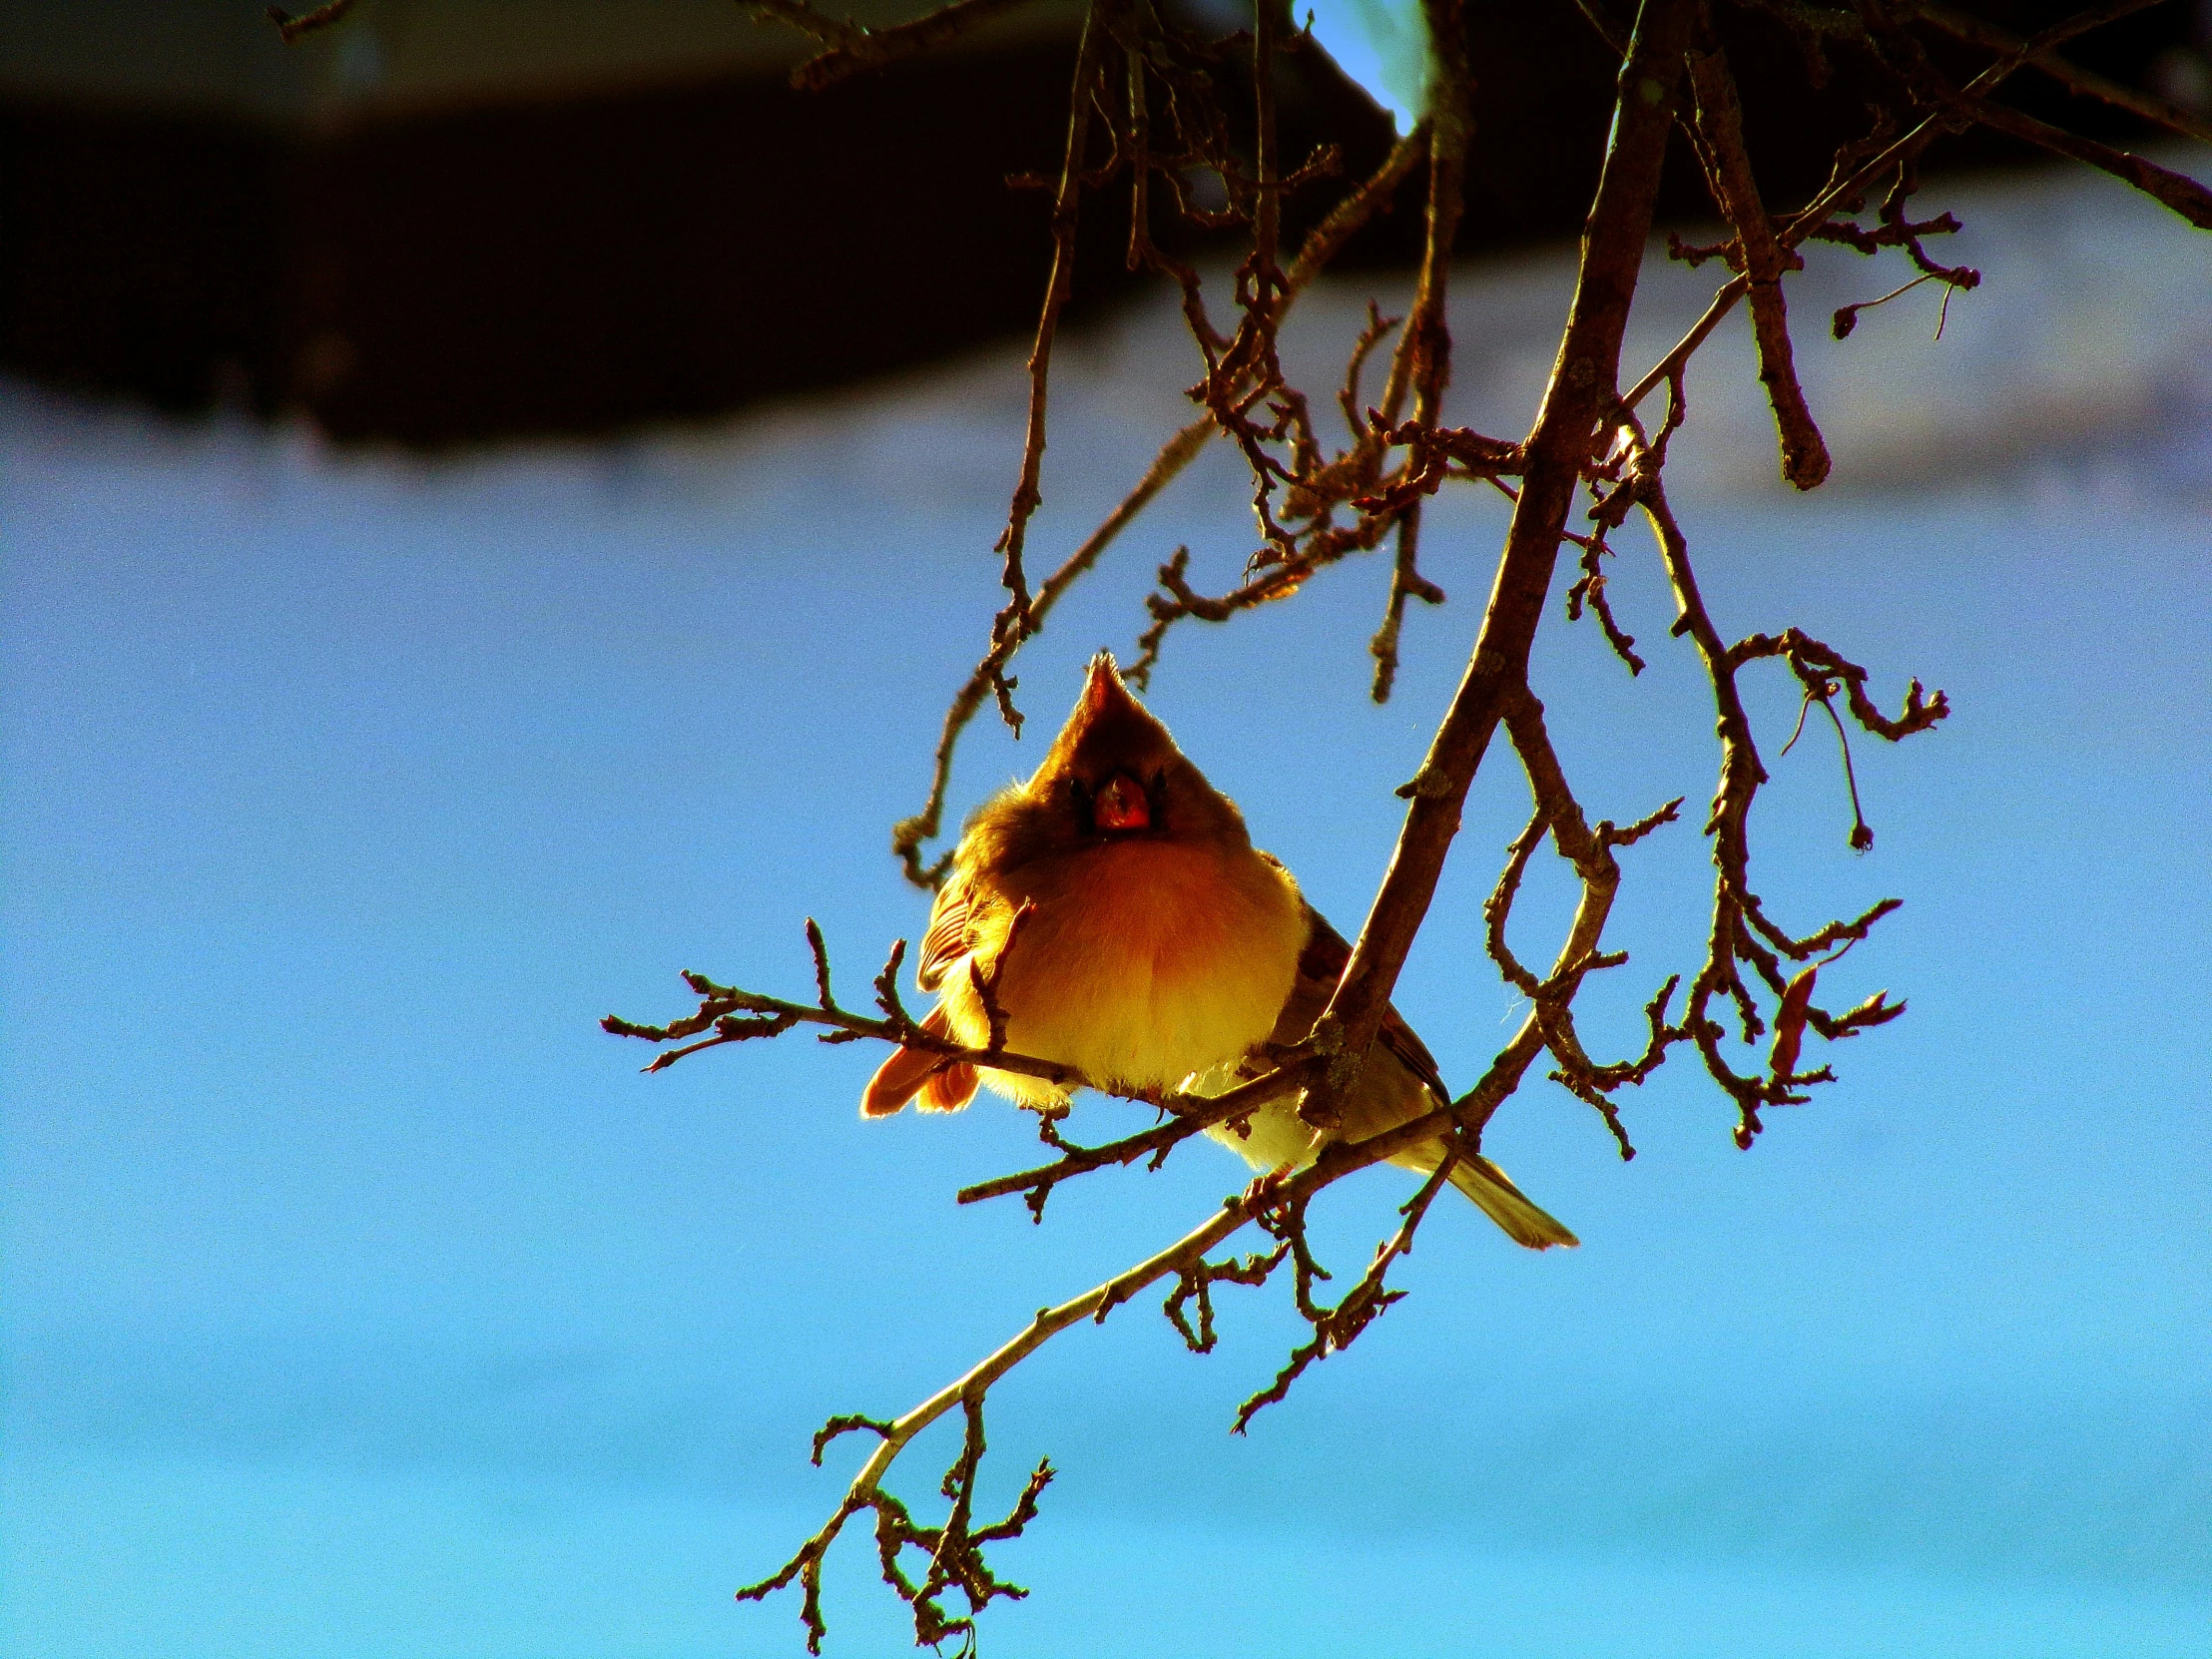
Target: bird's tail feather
[[1507, 1205], [944, 1086]]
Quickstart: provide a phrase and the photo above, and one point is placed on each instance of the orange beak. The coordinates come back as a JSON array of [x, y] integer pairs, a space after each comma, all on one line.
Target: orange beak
[[1122, 804]]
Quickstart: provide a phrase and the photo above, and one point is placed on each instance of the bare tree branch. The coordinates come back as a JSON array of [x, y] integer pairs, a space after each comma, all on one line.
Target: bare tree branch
[[2072, 76], [1315, 504], [854, 49], [1321, 245], [1558, 446], [1089, 73], [2176, 191], [1720, 120]]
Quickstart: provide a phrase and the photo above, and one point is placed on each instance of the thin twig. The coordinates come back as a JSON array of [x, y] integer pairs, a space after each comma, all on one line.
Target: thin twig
[[2177, 191], [854, 49], [1264, 1197], [2072, 76], [1089, 64], [1581, 384], [1720, 120], [1193, 1114], [909, 835], [1851, 184], [306, 23]]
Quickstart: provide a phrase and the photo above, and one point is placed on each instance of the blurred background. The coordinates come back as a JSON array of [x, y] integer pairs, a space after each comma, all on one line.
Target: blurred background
[[447, 221], [492, 504]]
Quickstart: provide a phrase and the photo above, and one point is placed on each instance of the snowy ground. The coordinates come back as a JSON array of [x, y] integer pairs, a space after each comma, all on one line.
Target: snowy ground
[[361, 1299]]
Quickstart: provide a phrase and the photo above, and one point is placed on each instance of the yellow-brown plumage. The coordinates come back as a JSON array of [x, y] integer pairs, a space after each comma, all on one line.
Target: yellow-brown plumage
[[1159, 948]]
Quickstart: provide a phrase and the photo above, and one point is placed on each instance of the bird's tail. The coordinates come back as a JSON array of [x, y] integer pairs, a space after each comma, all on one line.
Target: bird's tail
[[1507, 1205], [943, 1087]]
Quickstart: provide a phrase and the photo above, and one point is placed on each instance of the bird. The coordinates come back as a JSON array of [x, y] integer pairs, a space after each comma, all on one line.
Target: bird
[[1154, 948]]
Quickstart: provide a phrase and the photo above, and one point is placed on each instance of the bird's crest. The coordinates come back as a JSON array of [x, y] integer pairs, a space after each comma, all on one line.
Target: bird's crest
[[1108, 724]]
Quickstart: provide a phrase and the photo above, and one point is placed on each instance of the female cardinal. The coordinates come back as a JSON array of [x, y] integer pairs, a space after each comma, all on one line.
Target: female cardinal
[[1158, 950]]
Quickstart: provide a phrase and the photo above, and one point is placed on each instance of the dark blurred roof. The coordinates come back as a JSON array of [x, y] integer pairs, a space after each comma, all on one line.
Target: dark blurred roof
[[390, 59], [444, 221], [448, 219]]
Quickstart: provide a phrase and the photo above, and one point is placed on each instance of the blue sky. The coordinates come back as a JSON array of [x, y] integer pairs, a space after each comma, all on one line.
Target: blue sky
[[1381, 45], [360, 1298]]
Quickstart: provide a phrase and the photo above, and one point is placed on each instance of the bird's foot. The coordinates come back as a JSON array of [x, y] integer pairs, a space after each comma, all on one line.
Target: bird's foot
[[1265, 1190]]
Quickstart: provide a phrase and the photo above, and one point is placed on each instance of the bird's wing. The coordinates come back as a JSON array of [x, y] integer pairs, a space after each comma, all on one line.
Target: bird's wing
[[1319, 966], [952, 932]]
